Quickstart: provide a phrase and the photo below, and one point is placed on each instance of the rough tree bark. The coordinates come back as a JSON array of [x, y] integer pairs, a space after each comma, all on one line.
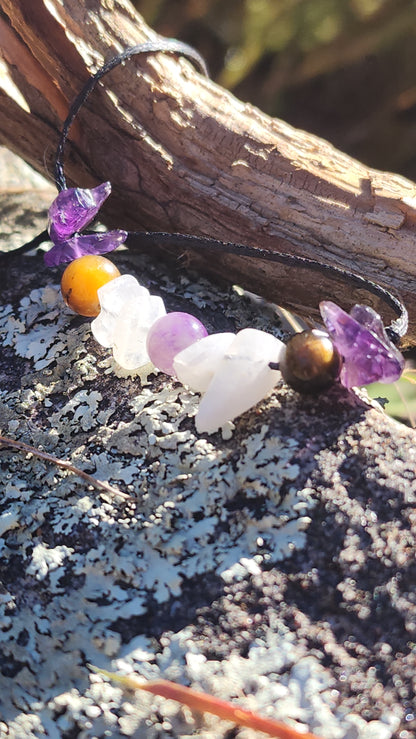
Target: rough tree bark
[[185, 155]]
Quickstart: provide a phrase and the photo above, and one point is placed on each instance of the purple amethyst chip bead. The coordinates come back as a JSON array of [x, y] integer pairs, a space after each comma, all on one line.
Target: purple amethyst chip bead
[[74, 208], [360, 337], [81, 244]]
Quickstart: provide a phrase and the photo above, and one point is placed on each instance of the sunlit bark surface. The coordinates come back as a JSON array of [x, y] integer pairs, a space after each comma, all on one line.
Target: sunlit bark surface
[[184, 155]]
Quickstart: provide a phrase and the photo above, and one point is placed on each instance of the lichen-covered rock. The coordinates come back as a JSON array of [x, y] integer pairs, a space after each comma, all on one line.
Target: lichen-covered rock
[[273, 564]]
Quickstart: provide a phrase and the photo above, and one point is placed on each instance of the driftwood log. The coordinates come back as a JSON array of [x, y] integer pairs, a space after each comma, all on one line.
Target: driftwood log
[[185, 156]]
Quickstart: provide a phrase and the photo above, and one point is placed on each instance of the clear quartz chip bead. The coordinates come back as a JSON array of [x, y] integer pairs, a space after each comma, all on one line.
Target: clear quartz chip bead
[[127, 313], [196, 365], [242, 378], [132, 328], [112, 297]]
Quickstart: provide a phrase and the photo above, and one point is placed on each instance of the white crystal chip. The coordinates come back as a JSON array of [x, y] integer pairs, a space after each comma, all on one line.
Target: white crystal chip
[[127, 312], [241, 377], [196, 365], [112, 297], [231, 369]]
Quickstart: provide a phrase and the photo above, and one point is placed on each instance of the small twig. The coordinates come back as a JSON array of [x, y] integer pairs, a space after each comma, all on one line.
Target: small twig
[[205, 703], [98, 484]]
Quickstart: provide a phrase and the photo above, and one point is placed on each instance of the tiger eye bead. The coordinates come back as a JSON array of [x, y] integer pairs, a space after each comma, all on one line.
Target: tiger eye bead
[[311, 362]]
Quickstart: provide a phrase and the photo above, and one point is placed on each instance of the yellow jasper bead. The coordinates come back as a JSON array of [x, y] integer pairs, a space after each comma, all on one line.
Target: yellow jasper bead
[[81, 280]]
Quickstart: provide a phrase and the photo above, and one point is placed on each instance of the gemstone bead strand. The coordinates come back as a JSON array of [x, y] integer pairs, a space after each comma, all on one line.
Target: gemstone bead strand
[[232, 371]]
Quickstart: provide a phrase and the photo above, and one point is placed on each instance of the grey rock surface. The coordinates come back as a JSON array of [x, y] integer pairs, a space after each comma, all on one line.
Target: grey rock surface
[[273, 564]]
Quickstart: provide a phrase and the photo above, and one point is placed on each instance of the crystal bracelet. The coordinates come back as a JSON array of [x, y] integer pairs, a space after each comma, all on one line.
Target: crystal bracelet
[[232, 371]]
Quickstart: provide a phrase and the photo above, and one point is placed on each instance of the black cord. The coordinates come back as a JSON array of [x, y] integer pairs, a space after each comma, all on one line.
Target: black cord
[[171, 46], [32, 244], [395, 330]]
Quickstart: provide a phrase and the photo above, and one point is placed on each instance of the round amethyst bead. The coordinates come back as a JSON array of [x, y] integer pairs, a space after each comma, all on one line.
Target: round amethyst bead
[[169, 335]]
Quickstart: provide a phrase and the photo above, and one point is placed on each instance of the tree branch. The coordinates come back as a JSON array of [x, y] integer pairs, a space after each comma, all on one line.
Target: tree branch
[[184, 155]]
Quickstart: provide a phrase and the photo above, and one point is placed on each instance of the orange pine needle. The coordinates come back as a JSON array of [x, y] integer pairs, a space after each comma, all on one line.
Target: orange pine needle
[[204, 703]]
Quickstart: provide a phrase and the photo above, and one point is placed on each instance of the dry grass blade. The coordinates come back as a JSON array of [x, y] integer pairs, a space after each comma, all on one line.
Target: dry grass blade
[[205, 703], [64, 464], [407, 376]]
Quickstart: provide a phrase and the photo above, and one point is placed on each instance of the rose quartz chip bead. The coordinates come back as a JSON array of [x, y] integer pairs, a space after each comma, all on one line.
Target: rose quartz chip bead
[[169, 335]]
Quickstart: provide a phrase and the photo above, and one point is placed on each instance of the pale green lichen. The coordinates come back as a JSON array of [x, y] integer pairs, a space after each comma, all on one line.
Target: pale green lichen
[[45, 560], [83, 563]]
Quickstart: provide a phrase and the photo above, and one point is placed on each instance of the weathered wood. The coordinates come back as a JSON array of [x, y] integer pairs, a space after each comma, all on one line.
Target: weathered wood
[[185, 155]]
